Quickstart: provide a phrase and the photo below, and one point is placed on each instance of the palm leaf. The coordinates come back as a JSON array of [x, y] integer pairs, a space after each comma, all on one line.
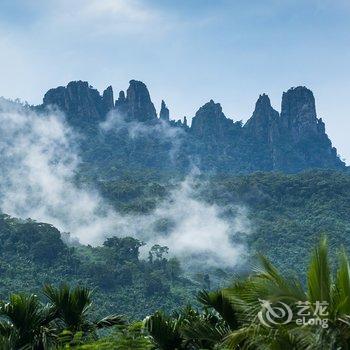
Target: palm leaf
[[71, 304], [342, 285], [109, 321], [318, 278], [221, 303], [164, 331]]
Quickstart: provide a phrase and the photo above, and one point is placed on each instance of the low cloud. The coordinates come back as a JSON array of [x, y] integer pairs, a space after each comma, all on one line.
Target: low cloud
[[38, 163], [39, 159], [199, 233], [116, 123]]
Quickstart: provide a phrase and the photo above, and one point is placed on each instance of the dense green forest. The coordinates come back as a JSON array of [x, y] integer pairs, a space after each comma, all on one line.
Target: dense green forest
[[33, 254], [176, 215], [287, 212], [238, 316], [287, 215]]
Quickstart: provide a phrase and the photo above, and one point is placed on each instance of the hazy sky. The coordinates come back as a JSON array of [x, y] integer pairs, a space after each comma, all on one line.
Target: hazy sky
[[186, 51]]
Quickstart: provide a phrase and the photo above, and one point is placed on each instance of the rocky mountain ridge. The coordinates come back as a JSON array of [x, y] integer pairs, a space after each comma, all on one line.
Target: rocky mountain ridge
[[290, 141]]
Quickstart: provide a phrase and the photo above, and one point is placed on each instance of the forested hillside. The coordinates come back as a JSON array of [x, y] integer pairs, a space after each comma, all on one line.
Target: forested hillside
[[290, 212], [127, 133], [33, 254], [287, 214], [150, 211]]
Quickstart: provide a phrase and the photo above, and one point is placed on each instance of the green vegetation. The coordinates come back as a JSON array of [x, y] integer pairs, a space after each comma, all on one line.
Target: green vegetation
[[27, 323], [237, 307], [278, 206], [32, 254], [287, 215], [236, 317]]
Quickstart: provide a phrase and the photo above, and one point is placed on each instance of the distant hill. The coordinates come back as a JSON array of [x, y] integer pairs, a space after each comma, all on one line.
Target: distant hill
[[135, 157], [288, 214], [128, 132]]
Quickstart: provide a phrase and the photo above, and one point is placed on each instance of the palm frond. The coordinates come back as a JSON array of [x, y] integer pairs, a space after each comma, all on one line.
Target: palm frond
[[164, 330], [318, 278], [110, 321], [220, 301], [71, 304], [342, 285]]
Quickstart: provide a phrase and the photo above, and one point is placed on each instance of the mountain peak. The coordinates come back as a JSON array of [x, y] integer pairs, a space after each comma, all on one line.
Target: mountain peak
[[263, 100], [263, 107], [80, 102], [298, 105], [210, 122], [211, 107], [139, 104], [108, 99], [294, 141], [262, 121], [121, 95], [164, 112]]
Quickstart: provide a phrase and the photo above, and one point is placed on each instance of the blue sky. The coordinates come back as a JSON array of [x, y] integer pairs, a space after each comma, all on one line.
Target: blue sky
[[187, 52]]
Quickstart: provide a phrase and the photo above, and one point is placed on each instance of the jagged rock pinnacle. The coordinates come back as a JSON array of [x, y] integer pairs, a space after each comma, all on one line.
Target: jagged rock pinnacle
[[139, 104], [164, 112], [261, 123], [210, 122], [108, 99], [80, 102], [298, 112]]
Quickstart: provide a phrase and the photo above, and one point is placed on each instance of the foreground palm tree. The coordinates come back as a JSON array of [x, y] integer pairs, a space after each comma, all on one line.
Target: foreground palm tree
[[72, 306], [187, 329], [165, 331], [328, 329], [26, 322], [241, 316]]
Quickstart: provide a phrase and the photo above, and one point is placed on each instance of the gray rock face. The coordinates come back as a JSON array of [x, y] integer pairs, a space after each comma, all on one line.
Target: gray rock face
[[291, 141], [108, 99], [263, 121], [121, 104], [121, 98], [300, 141], [84, 104], [210, 123], [80, 102], [298, 112], [164, 112], [137, 106]]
